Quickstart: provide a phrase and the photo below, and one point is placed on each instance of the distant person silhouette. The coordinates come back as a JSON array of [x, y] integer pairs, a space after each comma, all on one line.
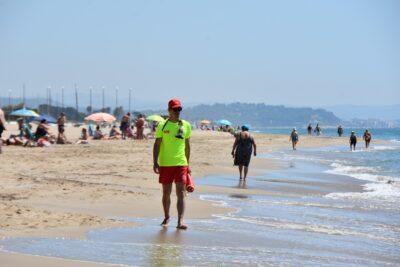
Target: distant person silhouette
[[340, 130], [367, 138], [309, 129], [353, 141], [318, 130], [294, 137]]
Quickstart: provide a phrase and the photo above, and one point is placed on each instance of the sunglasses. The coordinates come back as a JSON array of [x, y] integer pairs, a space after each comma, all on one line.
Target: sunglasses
[[177, 109]]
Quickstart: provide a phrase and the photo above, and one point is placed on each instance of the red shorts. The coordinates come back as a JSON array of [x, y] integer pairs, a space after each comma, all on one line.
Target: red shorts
[[171, 174]]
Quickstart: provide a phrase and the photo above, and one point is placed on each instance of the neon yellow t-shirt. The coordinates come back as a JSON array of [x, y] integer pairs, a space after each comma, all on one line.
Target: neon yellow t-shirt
[[172, 149]]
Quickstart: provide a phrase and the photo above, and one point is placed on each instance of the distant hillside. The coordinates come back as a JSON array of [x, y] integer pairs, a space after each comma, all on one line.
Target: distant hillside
[[259, 115], [348, 112]]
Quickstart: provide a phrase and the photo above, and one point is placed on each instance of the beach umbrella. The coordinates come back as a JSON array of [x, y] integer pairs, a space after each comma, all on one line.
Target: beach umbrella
[[155, 117], [24, 113], [48, 118], [224, 122], [100, 117], [205, 122]]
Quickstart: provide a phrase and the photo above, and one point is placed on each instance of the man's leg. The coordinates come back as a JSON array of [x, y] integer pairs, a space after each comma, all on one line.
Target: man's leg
[[240, 171], [180, 205], [246, 169], [166, 201]]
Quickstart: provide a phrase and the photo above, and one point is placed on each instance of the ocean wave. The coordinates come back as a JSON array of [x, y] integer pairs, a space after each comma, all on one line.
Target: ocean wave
[[308, 227], [375, 191], [360, 172], [385, 147], [383, 187]]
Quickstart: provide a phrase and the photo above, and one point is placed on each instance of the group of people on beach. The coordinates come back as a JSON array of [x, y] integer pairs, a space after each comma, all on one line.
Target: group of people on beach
[[43, 137], [367, 136]]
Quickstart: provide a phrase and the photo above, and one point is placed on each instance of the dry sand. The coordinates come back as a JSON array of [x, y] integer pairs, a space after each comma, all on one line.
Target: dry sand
[[65, 190]]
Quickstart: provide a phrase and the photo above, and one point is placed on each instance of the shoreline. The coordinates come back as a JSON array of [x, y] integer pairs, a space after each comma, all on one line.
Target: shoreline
[[203, 166]]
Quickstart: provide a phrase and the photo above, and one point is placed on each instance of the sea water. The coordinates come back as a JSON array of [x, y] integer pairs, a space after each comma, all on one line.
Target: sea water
[[324, 207]]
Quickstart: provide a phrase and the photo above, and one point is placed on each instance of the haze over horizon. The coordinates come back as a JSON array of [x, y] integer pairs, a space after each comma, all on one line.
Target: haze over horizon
[[295, 53]]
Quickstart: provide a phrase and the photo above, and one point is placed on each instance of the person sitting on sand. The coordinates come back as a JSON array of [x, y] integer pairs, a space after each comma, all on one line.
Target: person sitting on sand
[[353, 141], [41, 130], [367, 138], [114, 134], [242, 150], [294, 137], [84, 138], [25, 133], [98, 135], [171, 153]]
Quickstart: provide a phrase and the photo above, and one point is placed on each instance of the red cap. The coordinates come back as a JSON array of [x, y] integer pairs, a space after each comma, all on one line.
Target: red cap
[[174, 103]]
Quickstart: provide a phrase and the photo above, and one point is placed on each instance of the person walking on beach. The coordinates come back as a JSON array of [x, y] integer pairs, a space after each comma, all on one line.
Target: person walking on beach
[[318, 130], [171, 154], [353, 141], [309, 129], [242, 150], [367, 138], [294, 137], [340, 130]]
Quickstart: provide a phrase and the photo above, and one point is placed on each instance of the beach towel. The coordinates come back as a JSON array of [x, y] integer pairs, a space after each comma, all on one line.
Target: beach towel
[[189, 183]]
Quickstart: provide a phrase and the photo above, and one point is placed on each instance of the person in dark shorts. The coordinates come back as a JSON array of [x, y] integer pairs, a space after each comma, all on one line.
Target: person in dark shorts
[[340, 130], [125, 124], [353, 141], [367, 138], [294, 137], [171, 154], [242, 150], [309, 129]]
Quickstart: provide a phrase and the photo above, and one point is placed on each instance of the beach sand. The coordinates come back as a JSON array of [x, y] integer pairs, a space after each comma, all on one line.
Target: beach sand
[[65, 190]]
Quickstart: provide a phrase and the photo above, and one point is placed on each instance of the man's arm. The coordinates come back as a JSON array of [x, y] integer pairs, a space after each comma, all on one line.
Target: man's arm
[[187, 149], [156, 150], [255, 148]]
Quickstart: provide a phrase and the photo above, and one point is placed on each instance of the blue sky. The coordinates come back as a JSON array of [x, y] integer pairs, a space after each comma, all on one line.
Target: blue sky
[[295, 53]]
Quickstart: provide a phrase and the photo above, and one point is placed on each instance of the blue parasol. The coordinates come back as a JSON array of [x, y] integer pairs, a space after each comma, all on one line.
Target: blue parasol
[[24, 113], [224, 122]]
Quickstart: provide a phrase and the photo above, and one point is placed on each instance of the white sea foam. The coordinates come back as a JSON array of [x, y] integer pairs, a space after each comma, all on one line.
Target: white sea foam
[[360, 172], [385, 147], [309, 227], [376, 191], [383, 187]]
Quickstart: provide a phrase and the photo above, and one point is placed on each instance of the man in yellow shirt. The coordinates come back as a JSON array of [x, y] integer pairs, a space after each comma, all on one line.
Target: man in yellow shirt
[[171, 153]]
